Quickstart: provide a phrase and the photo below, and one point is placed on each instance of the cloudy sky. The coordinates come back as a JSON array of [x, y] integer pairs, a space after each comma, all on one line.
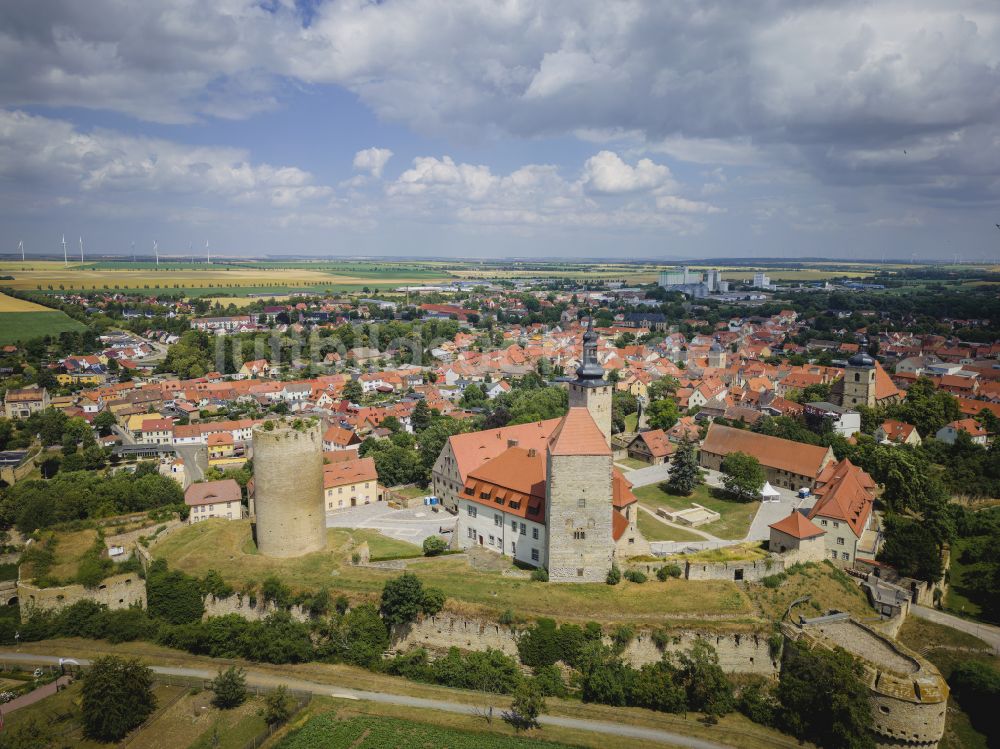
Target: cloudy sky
[[487, 128]]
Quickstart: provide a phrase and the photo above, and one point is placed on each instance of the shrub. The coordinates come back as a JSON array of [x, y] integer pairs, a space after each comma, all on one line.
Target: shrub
[[667, 571], [540, 575], [117, 697], [402, 599], [540, 645], [506, 618], [172, 595], [614, 575], [635, 576], [434, 545], [623, 635], [773, 581], [277, 706]]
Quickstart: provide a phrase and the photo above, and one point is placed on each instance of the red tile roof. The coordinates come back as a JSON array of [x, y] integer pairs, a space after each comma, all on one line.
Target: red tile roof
[[773, 452], [845, 492], [211, 492], [473, 449], [346, 472], [513, 482], [798, 526], [578, 434]]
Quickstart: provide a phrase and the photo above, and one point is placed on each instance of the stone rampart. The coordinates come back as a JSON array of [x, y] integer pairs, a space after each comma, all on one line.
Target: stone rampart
[[908, 695], [738, 652], [243, 606], [116, 592], [747, 571]]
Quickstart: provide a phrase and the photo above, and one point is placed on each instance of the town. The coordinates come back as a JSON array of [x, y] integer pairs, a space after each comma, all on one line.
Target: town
[[616, 491]]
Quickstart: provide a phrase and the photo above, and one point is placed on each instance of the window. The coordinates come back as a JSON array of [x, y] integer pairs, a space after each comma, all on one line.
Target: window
[[492, 540], [840, 540], [472, 511], [513, 526], [579, 535], [524, 529], [513, 548], [833, 555], [579, 571], [472, 533], [534, 555], [857, 377], [822, 522], [845, 556], [581, 502], [498, 520], [534, 533], [836, 524]]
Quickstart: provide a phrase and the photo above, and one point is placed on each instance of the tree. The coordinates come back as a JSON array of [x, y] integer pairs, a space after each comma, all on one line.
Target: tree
[[434, 545], [808, 679], [420, 419], [708, 689], [104, 422], [527, 705], [473, 396], [662, 414], [742, 475], [277, 706], [230, 687], [976, 686], [402, 599], [117, 697], [685, 475], [353, 391], [912, 548]]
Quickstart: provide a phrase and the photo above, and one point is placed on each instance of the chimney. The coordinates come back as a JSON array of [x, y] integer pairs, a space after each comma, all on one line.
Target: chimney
[[511, 443], [532, 452]]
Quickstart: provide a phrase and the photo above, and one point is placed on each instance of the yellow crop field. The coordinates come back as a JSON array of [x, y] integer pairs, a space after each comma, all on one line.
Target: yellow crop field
[[13, 304], [59, 278], [242, 301]]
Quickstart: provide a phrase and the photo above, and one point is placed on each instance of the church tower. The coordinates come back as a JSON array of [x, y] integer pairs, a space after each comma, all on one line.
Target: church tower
[[717, 356], [590, 390], [859, 381]]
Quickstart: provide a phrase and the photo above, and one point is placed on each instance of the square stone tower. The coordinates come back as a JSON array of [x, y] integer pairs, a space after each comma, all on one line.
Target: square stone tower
[[590, 390], [578, 502], [859, 381]]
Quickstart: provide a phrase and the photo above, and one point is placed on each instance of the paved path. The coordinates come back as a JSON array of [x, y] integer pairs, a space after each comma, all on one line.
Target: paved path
[[650, 475], [255, 678], [413, 525], [985, 632], [195, 461]]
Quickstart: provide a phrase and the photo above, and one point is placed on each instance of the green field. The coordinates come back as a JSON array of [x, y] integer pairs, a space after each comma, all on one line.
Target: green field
[[226, 546], [23, 326], [381, 733], [735, 519]]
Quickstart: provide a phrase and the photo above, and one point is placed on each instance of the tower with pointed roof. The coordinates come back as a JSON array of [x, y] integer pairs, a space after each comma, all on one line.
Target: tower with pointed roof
[[859, 381], [590, 390], [579, 500]]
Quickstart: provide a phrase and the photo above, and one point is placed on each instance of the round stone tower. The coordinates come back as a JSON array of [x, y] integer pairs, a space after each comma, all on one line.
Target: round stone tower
[[288, 489]]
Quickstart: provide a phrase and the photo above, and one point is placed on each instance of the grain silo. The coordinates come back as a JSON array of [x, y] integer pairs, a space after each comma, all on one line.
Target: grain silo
[[288, 488]]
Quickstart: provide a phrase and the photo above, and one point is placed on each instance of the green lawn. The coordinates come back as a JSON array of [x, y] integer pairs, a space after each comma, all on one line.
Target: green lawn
[[735, 519], [632, 463], [383, 546], [653, 530], [225, 546], [23, 326]]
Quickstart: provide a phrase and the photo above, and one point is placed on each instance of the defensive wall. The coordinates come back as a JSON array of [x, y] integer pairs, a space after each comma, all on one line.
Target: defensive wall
[[907, 694], [115, 592], [738, 652], [749, 570]]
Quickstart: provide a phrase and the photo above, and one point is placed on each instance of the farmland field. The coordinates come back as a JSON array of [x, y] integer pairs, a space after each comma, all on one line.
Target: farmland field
[[226, 546], [376, 733], [21, 320]]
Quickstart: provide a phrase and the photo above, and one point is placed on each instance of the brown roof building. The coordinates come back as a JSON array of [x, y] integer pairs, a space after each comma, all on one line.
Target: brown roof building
[[788, 464]]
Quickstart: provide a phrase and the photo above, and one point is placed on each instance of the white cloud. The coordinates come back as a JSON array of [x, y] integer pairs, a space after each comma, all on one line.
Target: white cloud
[[372, 160], [605, 173]]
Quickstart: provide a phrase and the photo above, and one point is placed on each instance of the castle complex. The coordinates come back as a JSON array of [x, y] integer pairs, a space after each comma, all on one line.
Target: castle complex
[[547, 494]]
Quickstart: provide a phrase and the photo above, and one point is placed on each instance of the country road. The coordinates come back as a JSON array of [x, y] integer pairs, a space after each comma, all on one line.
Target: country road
[[985, 632], [259, 679]]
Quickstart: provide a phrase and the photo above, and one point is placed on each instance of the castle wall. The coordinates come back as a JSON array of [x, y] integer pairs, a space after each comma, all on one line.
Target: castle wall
[[117, 592], [288, 491], [738, 652], [580, 545], [751, 571], [241, 605]]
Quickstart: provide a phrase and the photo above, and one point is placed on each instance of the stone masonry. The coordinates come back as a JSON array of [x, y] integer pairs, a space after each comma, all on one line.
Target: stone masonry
[[288, 491], [578, 518]]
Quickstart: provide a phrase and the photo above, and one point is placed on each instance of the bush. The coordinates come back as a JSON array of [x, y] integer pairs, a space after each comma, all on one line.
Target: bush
[[540, 575], [773, 581], [117, 697], [402, 599], [668, 571], [635, 576], [173, 596], [230, 688], [614, 575], [434, 545], [540, 645], [277, 706]]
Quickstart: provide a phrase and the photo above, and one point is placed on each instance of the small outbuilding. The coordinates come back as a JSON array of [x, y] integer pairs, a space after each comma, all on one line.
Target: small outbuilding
[[797, 537]]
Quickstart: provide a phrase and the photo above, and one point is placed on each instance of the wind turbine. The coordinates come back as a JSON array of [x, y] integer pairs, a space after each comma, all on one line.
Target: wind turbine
[[208, 253], [156, 252], [65, 256], [20, 246], [81, 249], [133, 252]]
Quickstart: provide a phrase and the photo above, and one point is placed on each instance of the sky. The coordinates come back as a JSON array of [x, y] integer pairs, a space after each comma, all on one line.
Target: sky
[[667, 129]]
